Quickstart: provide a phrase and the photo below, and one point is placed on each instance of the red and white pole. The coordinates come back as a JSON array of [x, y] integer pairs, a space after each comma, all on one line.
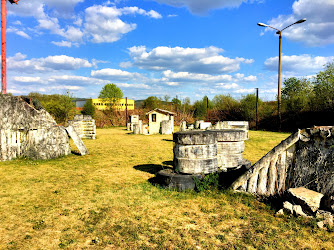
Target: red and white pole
[[3, 45]]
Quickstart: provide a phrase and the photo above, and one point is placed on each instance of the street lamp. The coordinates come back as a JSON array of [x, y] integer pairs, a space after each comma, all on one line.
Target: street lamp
[[279, 32]]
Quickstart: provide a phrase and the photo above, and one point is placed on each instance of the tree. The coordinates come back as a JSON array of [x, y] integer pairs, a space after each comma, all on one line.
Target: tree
[[166, 98], [111, 93], [186, 106], [88, 108], [200, 108], [176, 104], [323, 99], [296, 94], [60, 107], [248, 107], [152, 102], [225, 102]]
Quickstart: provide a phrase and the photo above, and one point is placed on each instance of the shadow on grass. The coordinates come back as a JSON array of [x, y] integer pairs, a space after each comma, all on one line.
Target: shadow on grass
[[168, 163], [75, 152], [167, 140], [149, 168]]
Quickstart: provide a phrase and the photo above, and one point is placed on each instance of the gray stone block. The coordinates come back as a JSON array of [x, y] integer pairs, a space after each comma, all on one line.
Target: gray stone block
[[195, 137], [196, 166], [230, 135], [195, 151]]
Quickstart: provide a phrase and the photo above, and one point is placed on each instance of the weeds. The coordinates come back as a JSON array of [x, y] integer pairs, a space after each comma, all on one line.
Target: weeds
[[208, 182]]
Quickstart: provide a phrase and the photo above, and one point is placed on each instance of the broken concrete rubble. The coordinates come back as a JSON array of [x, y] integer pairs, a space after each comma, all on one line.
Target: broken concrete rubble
[[306, 203], [310, 200]]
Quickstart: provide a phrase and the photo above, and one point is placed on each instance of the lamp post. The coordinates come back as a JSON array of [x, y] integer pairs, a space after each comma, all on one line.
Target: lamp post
[[279, 32]]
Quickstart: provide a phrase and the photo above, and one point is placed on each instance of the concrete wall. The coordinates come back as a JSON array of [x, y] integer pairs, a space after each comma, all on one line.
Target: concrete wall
[[305, 158], [28, 132]]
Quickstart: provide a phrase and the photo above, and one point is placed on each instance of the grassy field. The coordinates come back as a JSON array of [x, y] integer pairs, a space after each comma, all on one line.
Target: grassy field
[[104, 200]]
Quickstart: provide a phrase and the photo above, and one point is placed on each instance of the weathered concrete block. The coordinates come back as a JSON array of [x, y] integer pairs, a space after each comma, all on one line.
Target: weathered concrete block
[[241, 125], [308, 199], [183, 126], [230, 135], [197, 123], [172, 180], [29, 132], [77, 140], [205, 125], [229, 161], [166, 127], [195, 151], [195, 137], [231, 147], [136, 129], [196, 166]]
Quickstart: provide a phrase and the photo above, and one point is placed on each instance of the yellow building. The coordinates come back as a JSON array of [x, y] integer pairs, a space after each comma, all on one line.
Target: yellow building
[[102, 104]]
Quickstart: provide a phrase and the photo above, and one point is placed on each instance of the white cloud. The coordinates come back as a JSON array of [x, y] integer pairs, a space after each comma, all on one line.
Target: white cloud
[[227, 85], [299, 64], [99, 23], [245, 91], [136, 10], [23, 34], [193, 77], [318, 30], [27, 79], [47, 64], [18, 32], [77, 80], [250, 78], [35, 7], [202, 7], [133, 85], [193, 60], [64, 44], [116, 75], [103, 24]]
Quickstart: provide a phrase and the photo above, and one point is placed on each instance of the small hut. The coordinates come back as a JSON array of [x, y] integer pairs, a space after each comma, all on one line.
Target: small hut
[[161, 121]]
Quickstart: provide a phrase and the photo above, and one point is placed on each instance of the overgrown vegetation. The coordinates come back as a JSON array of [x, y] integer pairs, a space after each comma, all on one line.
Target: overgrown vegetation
[[105, 200], [88, 108], [59, 106]]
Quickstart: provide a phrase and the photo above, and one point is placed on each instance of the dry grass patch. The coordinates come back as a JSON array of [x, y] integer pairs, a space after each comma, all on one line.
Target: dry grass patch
[[104, 200]]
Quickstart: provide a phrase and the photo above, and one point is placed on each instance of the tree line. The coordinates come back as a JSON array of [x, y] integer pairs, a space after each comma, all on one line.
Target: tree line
[[305, 102]]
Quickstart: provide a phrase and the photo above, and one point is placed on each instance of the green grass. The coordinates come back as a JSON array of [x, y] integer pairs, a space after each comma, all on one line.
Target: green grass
[[104, 200]]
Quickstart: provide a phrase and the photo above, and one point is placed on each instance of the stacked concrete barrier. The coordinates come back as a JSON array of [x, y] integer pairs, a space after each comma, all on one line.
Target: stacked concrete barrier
[[133, 119], [84, 125], [242, 125], [166, 127], [195, 152], [230, 147]]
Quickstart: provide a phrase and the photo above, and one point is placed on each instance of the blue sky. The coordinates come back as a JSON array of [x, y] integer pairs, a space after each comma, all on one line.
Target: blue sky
[[184, 48]]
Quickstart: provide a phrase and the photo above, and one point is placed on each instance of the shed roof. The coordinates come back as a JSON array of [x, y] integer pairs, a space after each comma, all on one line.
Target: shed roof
[[165, 112]]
